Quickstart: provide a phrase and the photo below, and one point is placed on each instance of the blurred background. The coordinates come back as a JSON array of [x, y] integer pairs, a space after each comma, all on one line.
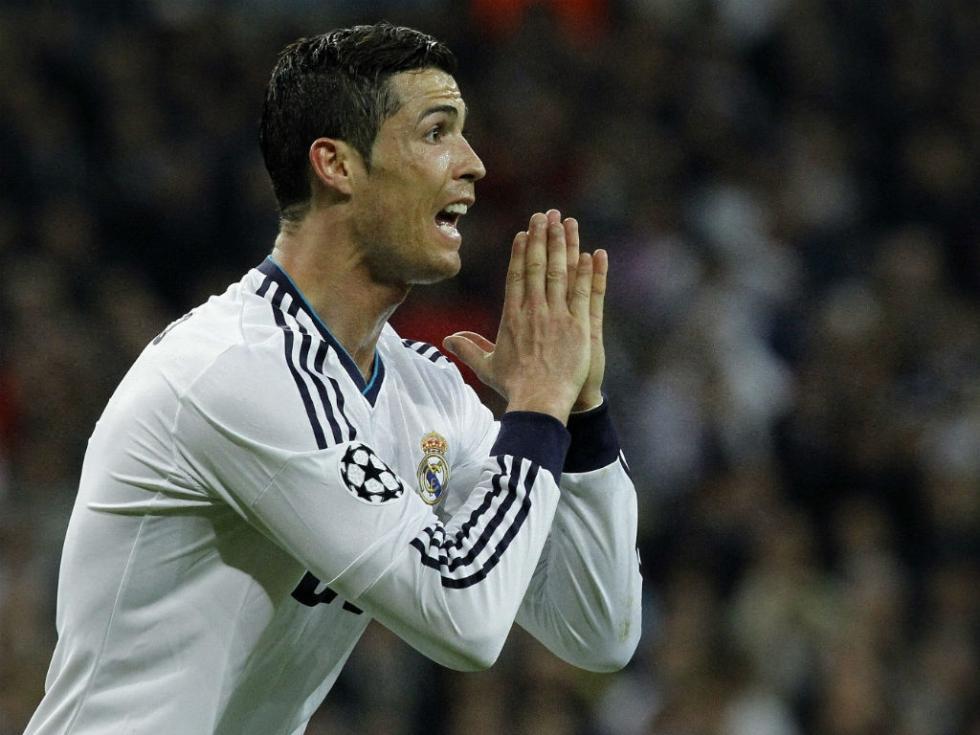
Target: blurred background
[[788, 190]]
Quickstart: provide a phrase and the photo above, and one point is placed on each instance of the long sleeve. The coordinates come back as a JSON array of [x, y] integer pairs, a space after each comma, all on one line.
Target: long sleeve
[[584, 599], [457, 599], [450, 588]]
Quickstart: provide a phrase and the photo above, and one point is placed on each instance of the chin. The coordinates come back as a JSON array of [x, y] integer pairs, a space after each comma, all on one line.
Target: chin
[[441, 270]]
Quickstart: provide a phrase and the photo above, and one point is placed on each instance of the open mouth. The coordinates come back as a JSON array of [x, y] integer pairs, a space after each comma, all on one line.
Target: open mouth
[[447, 219]]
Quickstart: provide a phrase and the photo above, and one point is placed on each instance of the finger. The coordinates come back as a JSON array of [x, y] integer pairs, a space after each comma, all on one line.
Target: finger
[[478, 339], [536, 258], [472, 353], [578, 301], [557, 272], [571, 246], [600, 269], [514, 285], [553, 215]]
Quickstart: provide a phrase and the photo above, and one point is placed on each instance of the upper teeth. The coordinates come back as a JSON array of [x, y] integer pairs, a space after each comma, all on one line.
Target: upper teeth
[[457, 208]]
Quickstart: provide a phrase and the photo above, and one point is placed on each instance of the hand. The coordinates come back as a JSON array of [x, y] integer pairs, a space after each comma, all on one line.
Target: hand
[[591, 393], [541, 358]]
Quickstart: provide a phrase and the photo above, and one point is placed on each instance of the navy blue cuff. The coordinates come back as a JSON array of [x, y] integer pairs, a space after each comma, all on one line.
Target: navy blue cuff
[[535, 436], [595, 442]]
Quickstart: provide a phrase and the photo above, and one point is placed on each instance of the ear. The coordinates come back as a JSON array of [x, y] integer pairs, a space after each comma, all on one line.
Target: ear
[[334, 163]]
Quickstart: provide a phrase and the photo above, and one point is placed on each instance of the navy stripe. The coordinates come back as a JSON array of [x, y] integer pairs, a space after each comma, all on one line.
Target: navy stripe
[[317, 371], [321, 356], [515, 527], [475, 516], [478, 511], [351, 431], [484, 539], [271, 269], [511, 532], [423, 348], [426, 560], [304, 392], [487, 566], [317, 375], [264, 287], [485, 505], [321, 389]]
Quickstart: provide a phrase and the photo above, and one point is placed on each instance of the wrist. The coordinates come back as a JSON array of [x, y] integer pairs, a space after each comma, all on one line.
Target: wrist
[[534, 436], [556, 403], [587, 401], [551, 408], [595, 443]]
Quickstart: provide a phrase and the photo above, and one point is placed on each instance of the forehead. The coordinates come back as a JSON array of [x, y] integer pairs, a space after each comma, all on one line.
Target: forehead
[[420, 88]]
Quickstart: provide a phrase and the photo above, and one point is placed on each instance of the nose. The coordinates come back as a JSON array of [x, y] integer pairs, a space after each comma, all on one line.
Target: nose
[[471, 167]]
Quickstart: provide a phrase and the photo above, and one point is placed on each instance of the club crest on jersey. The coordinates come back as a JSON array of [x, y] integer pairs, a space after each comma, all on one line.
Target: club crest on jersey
[[433, 472], [367, 477]]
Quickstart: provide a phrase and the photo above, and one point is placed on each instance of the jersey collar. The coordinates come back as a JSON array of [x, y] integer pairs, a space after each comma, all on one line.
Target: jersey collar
[[274, 273]]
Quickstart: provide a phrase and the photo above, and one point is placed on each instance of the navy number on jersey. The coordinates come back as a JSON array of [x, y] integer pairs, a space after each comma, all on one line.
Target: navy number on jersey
[[306, 593]]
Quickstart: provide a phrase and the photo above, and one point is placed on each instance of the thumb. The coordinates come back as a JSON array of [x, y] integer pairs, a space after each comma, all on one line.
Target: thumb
[[473, 349]]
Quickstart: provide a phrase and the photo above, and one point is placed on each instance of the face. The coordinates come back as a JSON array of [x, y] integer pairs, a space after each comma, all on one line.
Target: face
[[423, 172]]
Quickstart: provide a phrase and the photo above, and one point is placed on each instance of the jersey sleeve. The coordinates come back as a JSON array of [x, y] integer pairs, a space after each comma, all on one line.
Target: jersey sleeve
[[450, 588], [584, 599]]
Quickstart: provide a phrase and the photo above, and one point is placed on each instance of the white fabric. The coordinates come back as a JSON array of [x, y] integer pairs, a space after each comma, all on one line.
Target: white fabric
[[207, 495]]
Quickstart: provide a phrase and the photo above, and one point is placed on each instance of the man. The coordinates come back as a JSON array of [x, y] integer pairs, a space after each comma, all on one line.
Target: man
[[279, 467]]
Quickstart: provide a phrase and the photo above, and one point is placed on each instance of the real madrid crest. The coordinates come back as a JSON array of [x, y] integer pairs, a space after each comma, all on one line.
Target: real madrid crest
[[433, 470]]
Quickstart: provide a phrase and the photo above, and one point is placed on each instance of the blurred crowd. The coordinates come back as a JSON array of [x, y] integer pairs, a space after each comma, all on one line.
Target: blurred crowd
[[788, 190]]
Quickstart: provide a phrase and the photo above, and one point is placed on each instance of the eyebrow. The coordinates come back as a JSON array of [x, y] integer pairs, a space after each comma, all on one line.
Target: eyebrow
[[450, 110]]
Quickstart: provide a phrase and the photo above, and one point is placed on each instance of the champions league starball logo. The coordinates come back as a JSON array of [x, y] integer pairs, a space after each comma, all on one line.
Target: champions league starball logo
[[433, 472], [367, 477]]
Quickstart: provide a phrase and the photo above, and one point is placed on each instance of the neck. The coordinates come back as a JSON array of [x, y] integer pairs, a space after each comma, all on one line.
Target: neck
[[327, 268]]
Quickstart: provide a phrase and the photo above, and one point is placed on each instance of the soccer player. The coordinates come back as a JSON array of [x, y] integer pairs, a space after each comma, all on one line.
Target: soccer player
[[279, 467]]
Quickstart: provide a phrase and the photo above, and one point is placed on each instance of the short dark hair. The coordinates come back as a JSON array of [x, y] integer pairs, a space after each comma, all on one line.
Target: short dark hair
[[336, 85]]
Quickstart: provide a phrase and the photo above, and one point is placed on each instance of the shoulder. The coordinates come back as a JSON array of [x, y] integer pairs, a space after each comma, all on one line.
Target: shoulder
[[271, 393], [418, 361], [218, 358], [426, 371], [189, 345], [414, 354], [276, 377], [233, 331], [425, 351]]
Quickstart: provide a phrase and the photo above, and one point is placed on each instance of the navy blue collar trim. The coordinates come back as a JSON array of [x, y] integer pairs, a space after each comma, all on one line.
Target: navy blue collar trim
[[369, 389]]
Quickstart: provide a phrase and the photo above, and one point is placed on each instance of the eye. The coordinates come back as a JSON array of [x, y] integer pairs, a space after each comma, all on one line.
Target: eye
[[435, 133]]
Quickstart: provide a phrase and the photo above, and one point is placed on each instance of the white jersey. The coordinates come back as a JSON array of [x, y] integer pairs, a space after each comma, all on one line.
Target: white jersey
[[248, 502]]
